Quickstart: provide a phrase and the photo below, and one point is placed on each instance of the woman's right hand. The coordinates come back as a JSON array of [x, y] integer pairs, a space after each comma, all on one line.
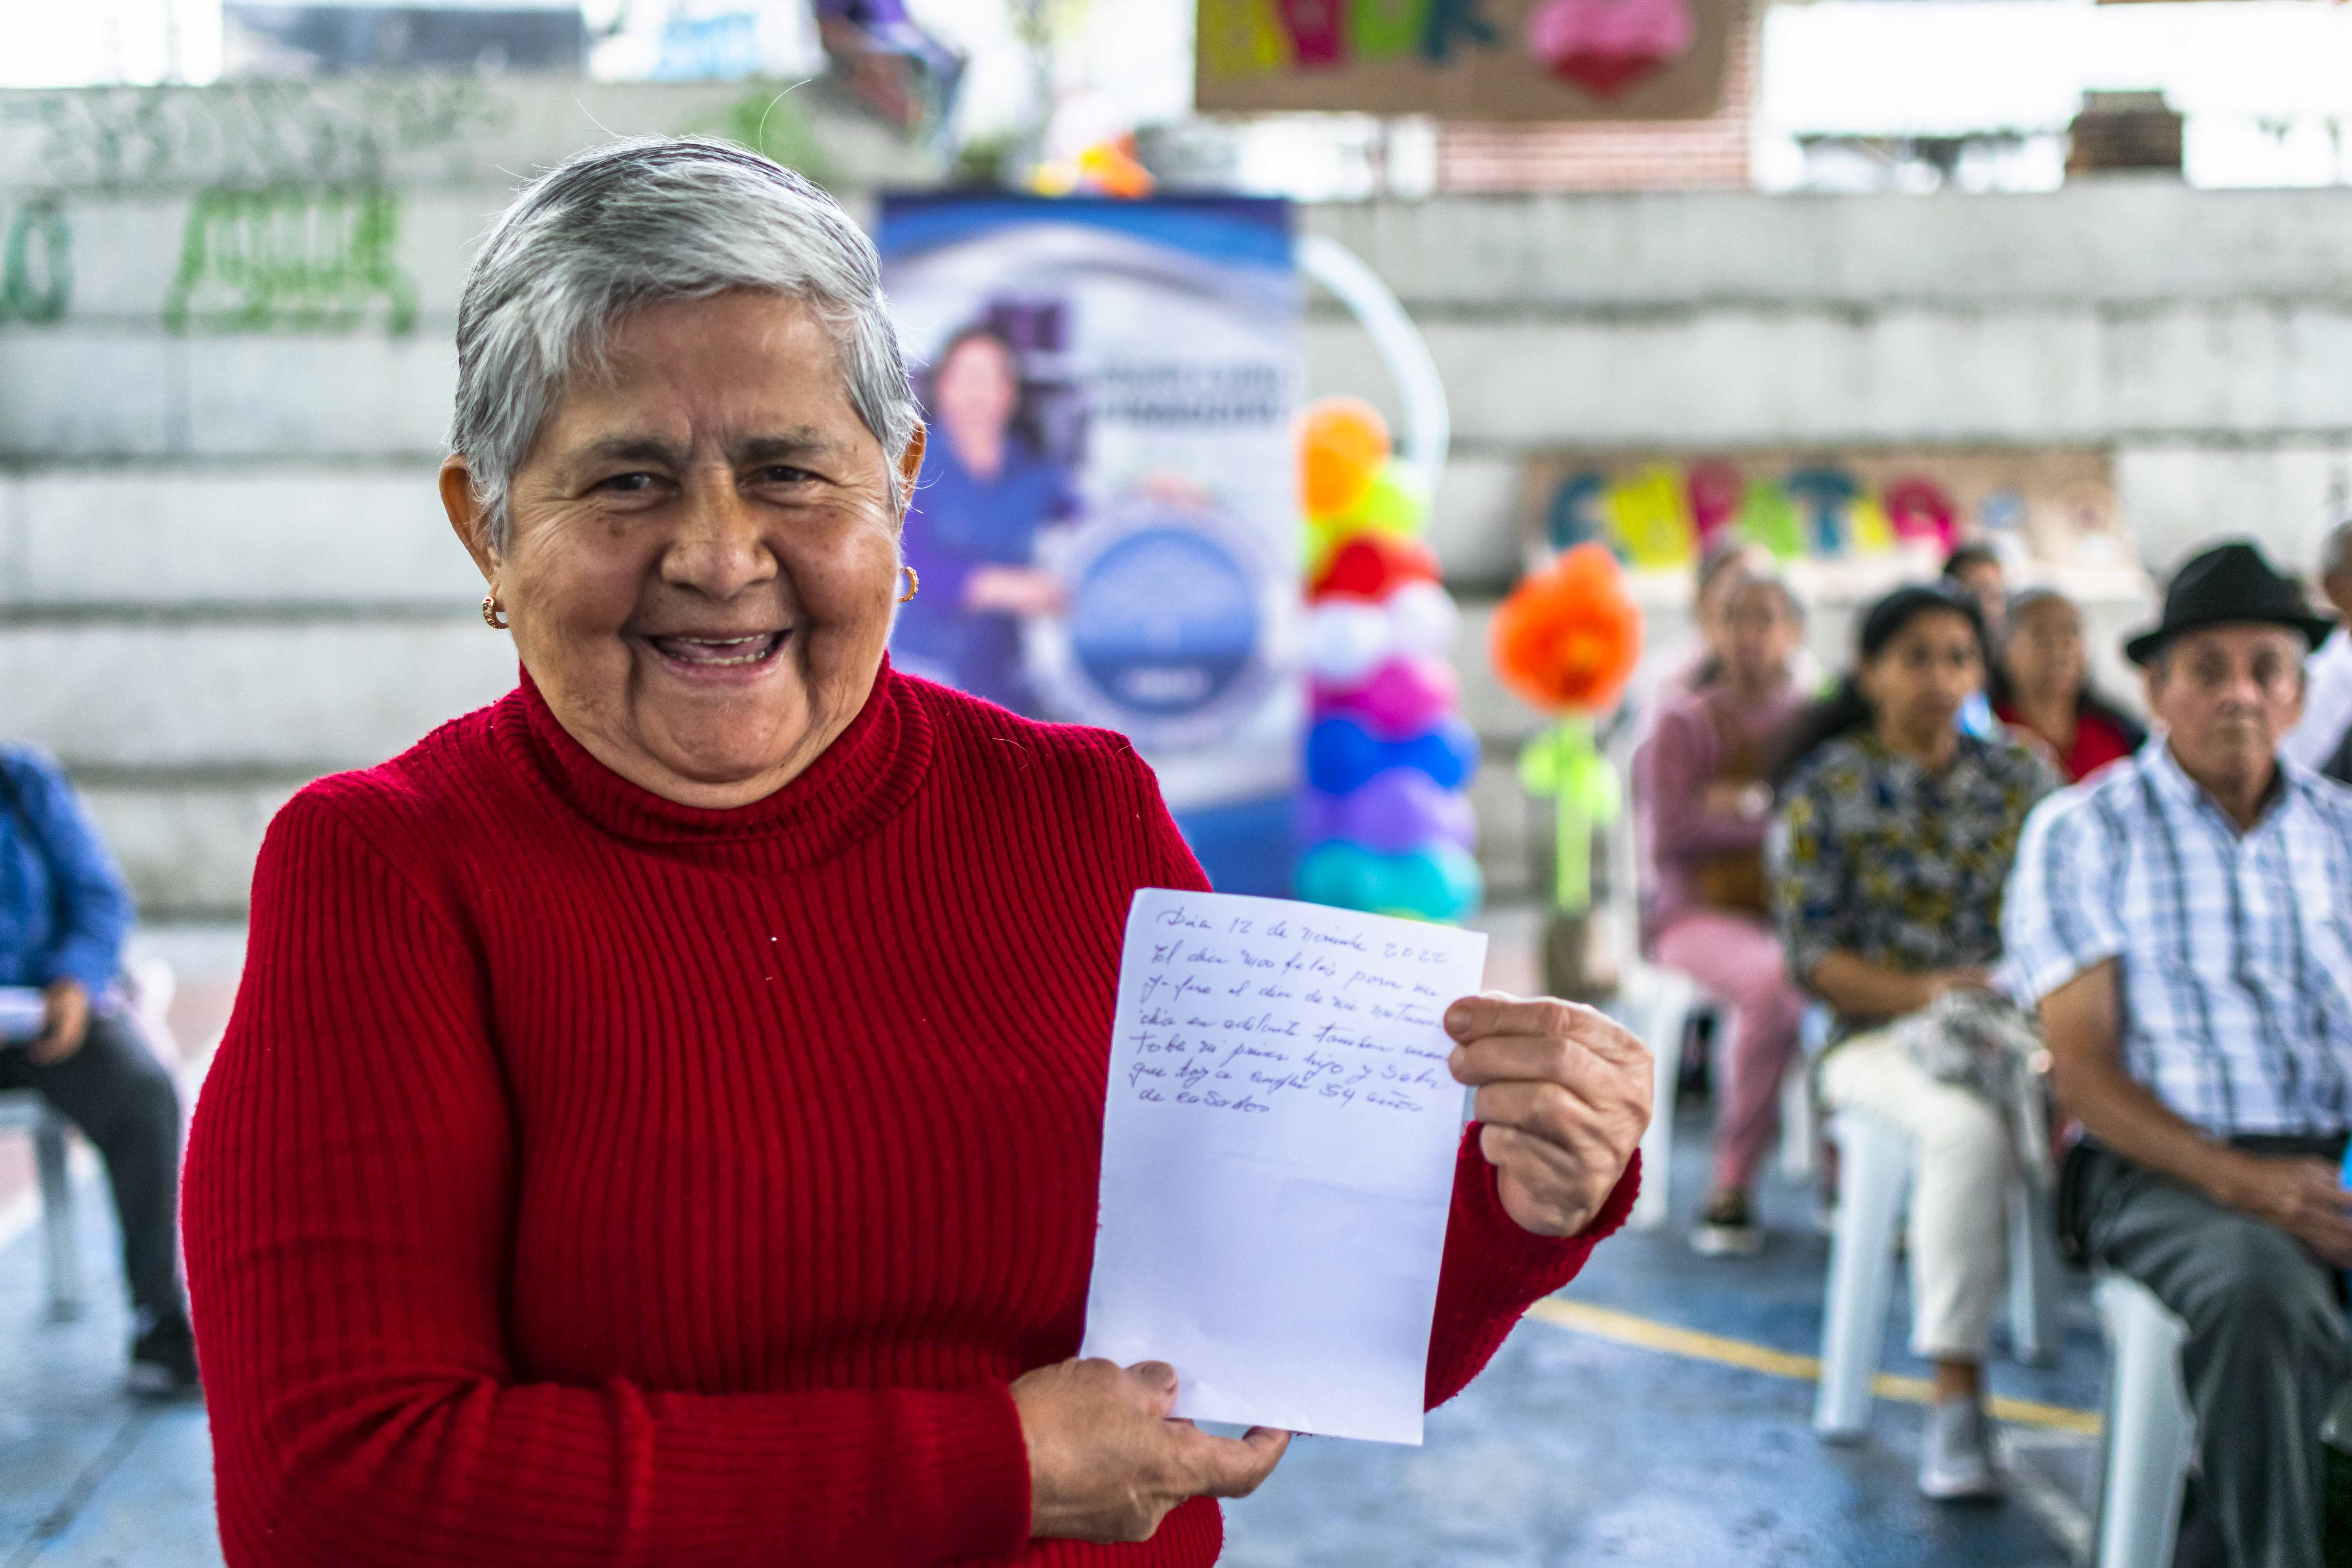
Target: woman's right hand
[[1106, 1463]]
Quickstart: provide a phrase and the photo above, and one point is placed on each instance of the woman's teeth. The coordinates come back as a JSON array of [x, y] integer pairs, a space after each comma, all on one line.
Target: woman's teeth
[[718, 651]]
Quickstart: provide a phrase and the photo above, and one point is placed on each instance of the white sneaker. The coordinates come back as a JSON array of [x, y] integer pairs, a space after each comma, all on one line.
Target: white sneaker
[[1956, 1456]]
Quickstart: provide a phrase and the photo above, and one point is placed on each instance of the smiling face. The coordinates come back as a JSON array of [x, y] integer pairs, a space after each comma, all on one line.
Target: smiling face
[[978, 387], [704, 551]]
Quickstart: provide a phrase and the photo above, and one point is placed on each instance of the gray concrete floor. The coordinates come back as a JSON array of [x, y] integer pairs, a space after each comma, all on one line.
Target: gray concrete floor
[[1568, 1451], [1573, 1450]]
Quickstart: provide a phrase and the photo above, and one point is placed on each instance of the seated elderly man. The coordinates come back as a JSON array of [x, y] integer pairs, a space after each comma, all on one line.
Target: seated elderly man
[[2180, 917]]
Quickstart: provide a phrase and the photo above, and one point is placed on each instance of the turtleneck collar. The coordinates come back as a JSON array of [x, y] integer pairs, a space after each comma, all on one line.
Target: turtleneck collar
[[852, 787]]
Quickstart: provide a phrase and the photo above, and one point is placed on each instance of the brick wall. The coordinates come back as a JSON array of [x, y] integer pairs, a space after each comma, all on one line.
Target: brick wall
[[1612, 155]]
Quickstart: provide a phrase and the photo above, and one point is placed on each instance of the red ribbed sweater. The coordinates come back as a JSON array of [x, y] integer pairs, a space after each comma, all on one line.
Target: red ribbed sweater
[[590, 1179]]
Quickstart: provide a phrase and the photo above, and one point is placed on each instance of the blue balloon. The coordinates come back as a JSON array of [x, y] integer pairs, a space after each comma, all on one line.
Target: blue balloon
[[1440, 882], [1343, 755]]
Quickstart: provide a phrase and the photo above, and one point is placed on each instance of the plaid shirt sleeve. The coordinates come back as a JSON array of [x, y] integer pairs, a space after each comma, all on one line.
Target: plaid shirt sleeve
[[1806, 863], [2058, 918]]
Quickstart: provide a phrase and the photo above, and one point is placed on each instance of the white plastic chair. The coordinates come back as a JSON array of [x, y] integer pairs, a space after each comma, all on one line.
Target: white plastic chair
[[23, 1110], [2150, 1431], [1874, 1179], [1660, 1002], [1664, 1002], [153, 986]]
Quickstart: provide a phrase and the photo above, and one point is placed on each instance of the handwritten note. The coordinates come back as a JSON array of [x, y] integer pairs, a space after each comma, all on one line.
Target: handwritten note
[[1279, 1148]]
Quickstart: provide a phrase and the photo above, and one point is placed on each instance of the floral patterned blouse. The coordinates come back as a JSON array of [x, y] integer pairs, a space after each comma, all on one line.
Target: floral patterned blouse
[[1874, 856]]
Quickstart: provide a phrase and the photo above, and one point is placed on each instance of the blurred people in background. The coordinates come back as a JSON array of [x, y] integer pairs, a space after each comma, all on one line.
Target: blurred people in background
[[1887, 860], [64, 913], [1720, 569], [987, 491], [2042, 687], [1975, 572], [2181, 920], [2322, 738], [1699, 788]]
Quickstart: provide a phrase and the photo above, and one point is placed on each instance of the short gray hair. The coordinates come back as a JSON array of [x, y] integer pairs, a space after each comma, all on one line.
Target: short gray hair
[[634, 223]]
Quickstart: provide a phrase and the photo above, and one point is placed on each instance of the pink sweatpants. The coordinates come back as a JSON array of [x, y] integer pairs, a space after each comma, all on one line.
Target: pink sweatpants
[[1738, 961]]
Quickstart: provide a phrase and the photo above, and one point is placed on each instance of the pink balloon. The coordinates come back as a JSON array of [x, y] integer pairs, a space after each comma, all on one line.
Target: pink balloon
[[1405, 696]]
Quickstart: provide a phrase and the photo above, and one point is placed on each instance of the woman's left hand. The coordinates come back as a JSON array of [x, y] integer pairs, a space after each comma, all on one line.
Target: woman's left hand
[[1564, 1092]]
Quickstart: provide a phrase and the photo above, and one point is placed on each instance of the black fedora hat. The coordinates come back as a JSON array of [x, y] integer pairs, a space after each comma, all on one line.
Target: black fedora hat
[[2227, 585]]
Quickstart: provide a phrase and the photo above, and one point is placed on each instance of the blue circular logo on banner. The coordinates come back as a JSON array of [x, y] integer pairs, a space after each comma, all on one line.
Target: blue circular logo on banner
[[1164, 621]]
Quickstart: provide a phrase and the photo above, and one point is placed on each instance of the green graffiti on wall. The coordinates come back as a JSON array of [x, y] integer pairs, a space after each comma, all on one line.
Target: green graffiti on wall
[[36, 263], [290, 258]]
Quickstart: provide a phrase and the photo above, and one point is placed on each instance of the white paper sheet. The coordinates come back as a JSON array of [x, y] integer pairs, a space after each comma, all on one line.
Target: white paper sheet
[[1278, 1150]]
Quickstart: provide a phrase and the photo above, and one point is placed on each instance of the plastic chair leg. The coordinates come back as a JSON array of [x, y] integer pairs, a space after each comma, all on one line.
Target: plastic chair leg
[[2036, 1278], [1875, 1170], [1799, 1131], [57, 1220], [1659, 1021], [2150, 1429]]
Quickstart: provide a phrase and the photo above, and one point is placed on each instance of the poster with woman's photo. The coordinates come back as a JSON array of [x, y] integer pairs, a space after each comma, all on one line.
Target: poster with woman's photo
[[1106, 527]]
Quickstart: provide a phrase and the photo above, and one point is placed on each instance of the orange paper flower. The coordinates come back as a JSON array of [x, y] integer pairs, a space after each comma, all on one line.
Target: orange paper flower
[[1569, 635]]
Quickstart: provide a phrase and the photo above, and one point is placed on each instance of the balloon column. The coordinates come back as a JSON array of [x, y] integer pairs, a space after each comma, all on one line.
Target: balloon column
[[1383, 819], [1567, 640]]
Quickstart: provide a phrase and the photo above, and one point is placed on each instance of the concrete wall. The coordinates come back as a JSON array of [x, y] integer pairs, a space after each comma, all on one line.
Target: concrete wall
[[2204, 336], [223, 568]]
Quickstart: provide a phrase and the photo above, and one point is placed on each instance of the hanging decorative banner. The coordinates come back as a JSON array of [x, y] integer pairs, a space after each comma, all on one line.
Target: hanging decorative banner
[[1467, 59], [2057, 504], [1106, 523]]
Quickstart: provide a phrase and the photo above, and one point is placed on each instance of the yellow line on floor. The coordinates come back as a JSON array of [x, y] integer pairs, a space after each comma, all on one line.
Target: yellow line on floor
[[1625, 1328]]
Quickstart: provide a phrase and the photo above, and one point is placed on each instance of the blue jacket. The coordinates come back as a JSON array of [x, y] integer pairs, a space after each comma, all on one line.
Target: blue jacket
[[64, 910]]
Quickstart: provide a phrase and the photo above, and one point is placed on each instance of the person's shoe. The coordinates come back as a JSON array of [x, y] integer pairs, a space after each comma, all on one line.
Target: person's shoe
[[1956, 1457], [1727, 1229], [164, 1359]]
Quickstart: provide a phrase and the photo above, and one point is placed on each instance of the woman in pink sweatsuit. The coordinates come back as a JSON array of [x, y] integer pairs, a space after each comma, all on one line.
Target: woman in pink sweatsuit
[[1699, 785]]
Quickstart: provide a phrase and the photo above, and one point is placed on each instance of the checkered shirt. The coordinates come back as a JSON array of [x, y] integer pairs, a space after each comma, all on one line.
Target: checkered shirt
[[2234, 952]]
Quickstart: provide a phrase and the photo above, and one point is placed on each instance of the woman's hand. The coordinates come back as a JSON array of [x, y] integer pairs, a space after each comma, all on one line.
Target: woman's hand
[[1105, 1462], [1015, 591], [65, 1023], [1565, 1094]]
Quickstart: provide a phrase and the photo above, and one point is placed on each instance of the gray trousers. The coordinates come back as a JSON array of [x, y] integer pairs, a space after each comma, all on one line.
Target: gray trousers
[[2267, 1350], [126, 1104]]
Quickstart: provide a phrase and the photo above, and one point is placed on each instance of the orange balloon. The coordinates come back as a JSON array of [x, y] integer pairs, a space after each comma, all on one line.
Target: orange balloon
[[1569, 636], [1342, 443]]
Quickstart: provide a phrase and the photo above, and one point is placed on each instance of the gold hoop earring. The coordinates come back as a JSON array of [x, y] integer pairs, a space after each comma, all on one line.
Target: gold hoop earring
[[914, 583], [492, 611]]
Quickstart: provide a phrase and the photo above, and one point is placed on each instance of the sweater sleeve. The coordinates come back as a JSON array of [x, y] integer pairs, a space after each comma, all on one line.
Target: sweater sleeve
[[351, 1193], [93, 907], [1684, 756], [1494, 1270]]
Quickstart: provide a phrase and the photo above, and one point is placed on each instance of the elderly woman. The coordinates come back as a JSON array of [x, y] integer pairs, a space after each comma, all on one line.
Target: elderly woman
[[661, 1121], [1700, 795], [2042, 687]]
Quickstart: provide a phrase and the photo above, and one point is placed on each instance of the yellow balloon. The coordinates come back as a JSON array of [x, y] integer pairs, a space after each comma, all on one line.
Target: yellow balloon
[[1342, 443]]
